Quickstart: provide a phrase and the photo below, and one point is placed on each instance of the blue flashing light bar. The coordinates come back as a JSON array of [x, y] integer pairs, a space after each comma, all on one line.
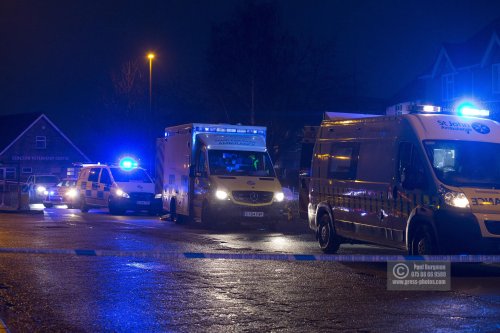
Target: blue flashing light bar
[[221, 129], [128, 163], [472, 112]]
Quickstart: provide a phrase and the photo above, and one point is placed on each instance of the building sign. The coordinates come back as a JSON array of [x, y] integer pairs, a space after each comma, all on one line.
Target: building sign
[[39, 158]]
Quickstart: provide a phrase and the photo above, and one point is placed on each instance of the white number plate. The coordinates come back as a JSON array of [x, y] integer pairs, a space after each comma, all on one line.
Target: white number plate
[[143, 202], [253, 214]]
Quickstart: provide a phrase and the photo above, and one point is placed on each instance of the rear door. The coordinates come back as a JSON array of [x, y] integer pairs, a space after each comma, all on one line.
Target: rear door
[[93, 187]]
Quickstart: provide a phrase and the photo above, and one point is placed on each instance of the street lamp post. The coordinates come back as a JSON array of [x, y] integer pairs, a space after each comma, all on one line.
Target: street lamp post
[[151, 56]]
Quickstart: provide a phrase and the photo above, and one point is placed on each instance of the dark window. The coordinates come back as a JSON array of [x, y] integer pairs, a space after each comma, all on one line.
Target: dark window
[[105, 178], [410, 165], [94, 175], [343, 160], [27, 170]]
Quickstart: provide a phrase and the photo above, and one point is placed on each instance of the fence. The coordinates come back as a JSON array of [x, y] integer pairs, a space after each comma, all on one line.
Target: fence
[[12, 196]]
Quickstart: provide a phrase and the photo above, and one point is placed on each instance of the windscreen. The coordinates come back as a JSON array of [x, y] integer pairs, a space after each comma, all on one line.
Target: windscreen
[[134, 175], [47, 179], [465, 163], [240, 163]]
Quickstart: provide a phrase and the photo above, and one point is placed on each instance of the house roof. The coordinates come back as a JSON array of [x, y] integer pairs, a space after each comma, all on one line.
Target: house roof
[[14, 126], [11, 126], [473, 51]]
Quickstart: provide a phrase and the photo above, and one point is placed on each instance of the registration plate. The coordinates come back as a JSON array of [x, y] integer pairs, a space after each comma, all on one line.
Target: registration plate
[[253, 214], [143, 202]]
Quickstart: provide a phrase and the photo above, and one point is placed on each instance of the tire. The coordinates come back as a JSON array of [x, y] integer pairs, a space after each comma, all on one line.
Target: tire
[[423, 242], [48, 205], [206, 217], [83, 205], [329, 241]]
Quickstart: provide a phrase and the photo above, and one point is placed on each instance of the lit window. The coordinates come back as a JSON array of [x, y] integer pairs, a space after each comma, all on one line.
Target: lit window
[[495, 78], [41, 142]]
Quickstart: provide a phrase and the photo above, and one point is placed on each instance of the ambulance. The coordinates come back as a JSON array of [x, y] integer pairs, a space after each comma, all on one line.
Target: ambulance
[[219, 174], [419, 178]]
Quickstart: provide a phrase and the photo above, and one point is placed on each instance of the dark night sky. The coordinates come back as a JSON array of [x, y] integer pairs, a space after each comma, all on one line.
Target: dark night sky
[[56, 55]]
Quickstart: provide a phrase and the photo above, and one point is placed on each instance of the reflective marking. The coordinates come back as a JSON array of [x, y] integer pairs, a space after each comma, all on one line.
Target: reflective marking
[[255, 256]]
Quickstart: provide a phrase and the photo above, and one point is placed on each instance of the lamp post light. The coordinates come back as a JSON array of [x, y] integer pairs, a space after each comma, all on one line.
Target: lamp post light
[[151, 56]]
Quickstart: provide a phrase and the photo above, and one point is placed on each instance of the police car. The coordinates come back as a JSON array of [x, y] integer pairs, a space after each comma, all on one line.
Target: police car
[[117, 187]]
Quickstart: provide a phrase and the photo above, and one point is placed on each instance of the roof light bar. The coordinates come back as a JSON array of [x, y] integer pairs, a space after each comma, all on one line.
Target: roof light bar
[[221, 129], [472, 112]]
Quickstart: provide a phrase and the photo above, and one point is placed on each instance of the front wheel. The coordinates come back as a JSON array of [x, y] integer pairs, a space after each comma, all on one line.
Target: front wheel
[[329, 241], [423, 242], [207, 218], [83, 205]]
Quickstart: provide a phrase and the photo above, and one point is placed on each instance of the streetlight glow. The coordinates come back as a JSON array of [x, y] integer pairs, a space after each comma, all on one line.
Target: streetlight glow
[[151, 56]]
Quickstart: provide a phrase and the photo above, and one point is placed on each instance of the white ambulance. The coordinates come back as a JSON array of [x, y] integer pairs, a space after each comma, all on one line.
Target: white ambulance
[[418, 179], [219, 173]]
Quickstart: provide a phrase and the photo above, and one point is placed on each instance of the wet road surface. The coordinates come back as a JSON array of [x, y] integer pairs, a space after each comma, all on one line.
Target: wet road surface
[[61, 292]]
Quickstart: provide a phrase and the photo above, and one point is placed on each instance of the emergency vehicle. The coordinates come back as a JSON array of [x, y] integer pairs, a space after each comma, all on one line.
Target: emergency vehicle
[[117, 187], [419, 178], [219, 173]]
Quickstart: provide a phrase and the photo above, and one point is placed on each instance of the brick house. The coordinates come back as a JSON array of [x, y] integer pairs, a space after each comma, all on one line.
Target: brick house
[[31, 144]]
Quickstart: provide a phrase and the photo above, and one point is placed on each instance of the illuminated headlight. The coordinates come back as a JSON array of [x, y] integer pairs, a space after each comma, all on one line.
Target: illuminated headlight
[[221, 195], [71, 193], [41, 189], [122, 194], [47, 192], [279, 196], [456, 199], [158, 196]]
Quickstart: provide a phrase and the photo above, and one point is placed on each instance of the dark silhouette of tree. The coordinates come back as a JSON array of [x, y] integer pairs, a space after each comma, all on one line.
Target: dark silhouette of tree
[[260, 74]]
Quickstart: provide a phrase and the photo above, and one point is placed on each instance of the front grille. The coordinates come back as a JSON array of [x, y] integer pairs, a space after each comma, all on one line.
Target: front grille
[[253, 197], [141, 196], [493, 227]]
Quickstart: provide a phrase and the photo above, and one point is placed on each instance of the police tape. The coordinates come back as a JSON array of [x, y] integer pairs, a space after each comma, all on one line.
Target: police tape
[[353, 258]]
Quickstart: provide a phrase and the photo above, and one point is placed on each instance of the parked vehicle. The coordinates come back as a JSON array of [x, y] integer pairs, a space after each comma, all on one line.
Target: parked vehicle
[[419, 180], [38, 184], [219, 174], [119, 188], [64, 193]]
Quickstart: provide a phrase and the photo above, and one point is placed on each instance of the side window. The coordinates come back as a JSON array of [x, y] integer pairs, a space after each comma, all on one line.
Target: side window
[[105, 177], [343, 160], [94, 175], [411, 171]]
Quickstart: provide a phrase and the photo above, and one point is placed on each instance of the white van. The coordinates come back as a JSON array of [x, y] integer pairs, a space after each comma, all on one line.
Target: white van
[[219, 173], [117, 188], [419, 180]]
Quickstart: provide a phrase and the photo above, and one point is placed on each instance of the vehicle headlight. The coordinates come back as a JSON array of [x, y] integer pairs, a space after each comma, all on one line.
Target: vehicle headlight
[[455, 199], [279, 196], [122, 194], [41, 189], [221, 195], [47, 192], [158, 196], [71, 193]]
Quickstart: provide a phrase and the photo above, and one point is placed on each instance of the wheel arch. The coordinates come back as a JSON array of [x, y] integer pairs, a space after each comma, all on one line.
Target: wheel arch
[[418, 218]]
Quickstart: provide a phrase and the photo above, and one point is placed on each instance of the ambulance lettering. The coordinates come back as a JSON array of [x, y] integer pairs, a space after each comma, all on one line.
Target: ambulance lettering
[[485, 201]]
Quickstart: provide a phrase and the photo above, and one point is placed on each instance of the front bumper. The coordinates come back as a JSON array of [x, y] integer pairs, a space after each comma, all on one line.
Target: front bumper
[[230, 211], [461, 233], [150, 204]]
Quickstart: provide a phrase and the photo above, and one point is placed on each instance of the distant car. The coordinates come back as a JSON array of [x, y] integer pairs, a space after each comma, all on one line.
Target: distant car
[[64, 193], [38, 184]]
